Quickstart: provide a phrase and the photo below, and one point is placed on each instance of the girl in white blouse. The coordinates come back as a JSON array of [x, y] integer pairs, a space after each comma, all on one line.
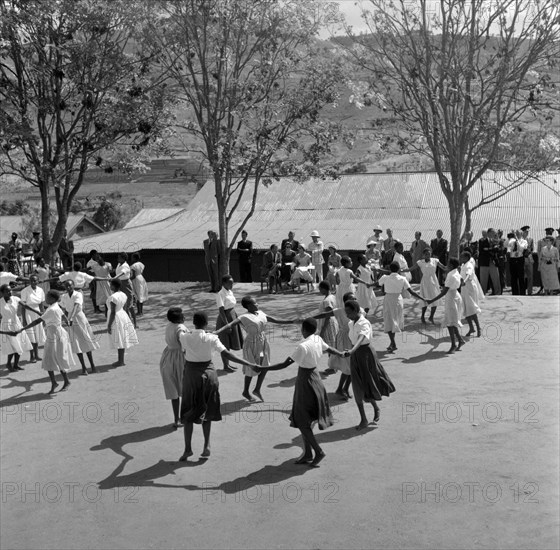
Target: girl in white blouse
[[232, 338], [453, 305]]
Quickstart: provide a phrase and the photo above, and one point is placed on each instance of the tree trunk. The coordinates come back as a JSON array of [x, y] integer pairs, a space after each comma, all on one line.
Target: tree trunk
[[47, 251], [223, 233], [456, 211], [468, 216]]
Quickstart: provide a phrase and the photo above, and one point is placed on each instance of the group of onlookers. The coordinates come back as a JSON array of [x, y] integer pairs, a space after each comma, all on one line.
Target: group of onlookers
[[500, 261]]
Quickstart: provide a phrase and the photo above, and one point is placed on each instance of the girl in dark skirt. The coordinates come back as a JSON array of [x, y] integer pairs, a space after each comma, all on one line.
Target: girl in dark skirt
[[369, 380], [232, 338], [201, 396], [310, 403]]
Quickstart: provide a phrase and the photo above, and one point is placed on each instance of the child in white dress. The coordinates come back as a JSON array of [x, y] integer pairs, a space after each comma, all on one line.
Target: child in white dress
[[33, 297], [57, 355], [13, 346], [120, 329], [365, 294], [139, 284]]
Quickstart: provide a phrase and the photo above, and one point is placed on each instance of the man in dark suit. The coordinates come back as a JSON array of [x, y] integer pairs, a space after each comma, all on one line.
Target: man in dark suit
[[291, 240], [270, 270], [245, 251], [439, 250], [212, 260], [417, 251]]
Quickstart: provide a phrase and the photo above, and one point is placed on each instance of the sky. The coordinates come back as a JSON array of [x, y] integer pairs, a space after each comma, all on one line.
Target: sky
[[351, 11]]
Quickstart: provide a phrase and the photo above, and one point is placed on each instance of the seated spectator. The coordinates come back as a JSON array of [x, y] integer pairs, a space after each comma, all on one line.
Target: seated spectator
[[270, 270], [288, 256], [303, 267]]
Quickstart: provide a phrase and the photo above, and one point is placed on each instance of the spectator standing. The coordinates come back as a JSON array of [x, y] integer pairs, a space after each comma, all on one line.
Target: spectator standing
[[36, 245], [417, 252], [502, 259], [488, 261], [388, 248], [376, 238], [516, 249], [212, 260], [291, 239], [529, 261], [245, 253], [316, 248], [439, 250], [66, 252]]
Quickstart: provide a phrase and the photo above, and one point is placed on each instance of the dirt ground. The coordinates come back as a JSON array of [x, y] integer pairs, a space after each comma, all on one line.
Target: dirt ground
[[465, 455]]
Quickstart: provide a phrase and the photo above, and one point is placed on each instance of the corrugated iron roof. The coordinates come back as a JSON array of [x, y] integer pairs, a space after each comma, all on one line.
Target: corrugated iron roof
[[344, 211], [150, 215]]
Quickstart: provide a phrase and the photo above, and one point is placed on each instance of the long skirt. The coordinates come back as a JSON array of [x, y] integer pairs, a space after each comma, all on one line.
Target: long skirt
[[366, 297], [311, 403], [35, 334], [232, 338], [342, 342], [329, 330], [140, 288], [201, 395], [57, 355], [253, 346], [429, 289], [453, 309], [369, 380], [14, 344], [549, 276], [81, 335], [126, 287], [471, 294], [102, 292], [172, 366], [123, 335], [393, 313]]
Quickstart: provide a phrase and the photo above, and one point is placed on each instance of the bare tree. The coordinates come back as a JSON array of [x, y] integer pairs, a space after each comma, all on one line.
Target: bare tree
[[253, 84], [75, 92], [457, 74]]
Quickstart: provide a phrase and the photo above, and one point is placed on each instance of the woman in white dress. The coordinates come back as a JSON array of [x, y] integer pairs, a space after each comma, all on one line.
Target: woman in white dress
[[345, 279], [453, 305], [43, 272], [82, 338], [102, 270], [256, 349], [393, 312], [57, 355], [302, 261], [548, 266], [12, 346], [33, 297], [404, 270], [471, 293], [122, 334], [139, 285], [429, 284]]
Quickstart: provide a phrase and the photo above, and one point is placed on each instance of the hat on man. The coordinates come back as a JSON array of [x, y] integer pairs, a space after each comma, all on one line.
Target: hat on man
[[315, 234], [377, 228], [525, 228], [36, 232], [549, 229], [369, 243]]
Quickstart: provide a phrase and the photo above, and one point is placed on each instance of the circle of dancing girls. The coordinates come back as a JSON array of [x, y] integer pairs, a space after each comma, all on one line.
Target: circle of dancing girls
[[32, 300], [453, 305], [121, 331], [393, 313], [172, 362], [232, 338], [139, 284], [310, 403], [201, 396], [57, 354], [14, 342], [81, 335], [256, 349], [370, 382], [471, 293]]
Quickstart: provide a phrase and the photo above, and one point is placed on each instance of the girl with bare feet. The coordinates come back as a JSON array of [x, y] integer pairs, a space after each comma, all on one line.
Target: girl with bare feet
[[471, 293], [172, 362], [393, 313], [122, 334], [429, 284], [33, 296], [310, 403], [201, 395], [453, 305], [81, 335], [369, 379], [12, 346], [255, 345], [57, 355]]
